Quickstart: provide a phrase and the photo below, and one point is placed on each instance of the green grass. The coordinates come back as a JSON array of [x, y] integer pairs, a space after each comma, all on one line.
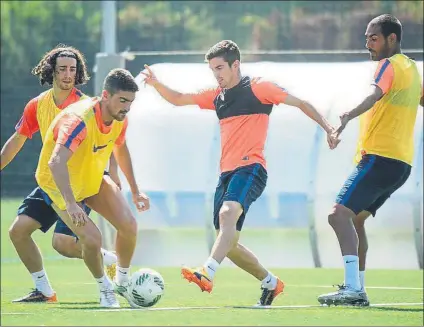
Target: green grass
[[78, 295]]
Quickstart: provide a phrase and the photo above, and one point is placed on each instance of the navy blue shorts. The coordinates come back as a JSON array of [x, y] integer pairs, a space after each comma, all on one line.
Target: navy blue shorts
[[373, 181], [243, 185], [37, 206]]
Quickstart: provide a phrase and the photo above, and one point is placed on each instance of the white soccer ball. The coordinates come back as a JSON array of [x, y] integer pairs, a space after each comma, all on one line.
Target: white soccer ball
[[146, 287]]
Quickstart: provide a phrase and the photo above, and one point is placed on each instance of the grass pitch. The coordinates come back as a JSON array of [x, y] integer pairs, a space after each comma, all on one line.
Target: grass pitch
[[398, 296]]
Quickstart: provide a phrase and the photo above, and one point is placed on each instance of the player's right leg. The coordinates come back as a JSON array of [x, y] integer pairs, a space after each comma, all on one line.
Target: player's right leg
[[33, 214], [91, 240], [66, 243]]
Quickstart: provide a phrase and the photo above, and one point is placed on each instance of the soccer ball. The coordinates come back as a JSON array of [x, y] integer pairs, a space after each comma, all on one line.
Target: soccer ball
[[146, 287]]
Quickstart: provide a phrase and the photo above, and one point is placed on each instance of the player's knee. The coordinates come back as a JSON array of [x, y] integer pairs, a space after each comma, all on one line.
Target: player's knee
[[60, 243], [229, 214], [338, 214], [91, 240], [21, 228], [128, 226]]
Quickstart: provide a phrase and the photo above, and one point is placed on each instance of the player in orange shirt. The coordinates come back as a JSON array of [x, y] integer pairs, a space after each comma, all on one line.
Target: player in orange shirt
[[384, 155], [243, 105], [62, 68]]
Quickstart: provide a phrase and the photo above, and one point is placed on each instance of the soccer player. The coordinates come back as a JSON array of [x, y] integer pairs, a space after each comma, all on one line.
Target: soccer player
[[385, 152], [243, 105], [75, 153], [62, 68]]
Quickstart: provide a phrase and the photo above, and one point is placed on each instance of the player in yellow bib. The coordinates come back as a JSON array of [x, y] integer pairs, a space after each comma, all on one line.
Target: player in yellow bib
[[385, 152], [75, 153], [62, 68]]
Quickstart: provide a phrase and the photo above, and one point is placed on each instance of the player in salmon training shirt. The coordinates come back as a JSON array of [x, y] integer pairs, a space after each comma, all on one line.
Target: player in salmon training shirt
[[243, 105]]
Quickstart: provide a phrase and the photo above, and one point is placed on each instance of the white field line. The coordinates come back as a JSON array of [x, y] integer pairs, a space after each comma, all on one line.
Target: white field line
[[322, 286], [245, 307], [223, 307]]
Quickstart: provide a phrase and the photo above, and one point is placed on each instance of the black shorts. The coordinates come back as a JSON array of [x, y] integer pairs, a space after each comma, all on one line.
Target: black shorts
[[373, 181], [243, 185], [37, 206]]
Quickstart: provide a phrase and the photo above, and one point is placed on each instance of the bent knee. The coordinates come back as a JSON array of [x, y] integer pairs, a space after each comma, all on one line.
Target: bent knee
[[128, 225], [230, 213], [91, 238], [23, 227], [339, 212], [61, 242]]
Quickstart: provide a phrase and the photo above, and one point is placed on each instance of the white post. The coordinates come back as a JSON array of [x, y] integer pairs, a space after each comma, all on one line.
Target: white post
[[109, 26]]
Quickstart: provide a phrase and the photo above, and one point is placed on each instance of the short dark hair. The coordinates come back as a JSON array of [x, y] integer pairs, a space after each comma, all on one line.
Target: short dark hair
[[226, 49], [388, 24], [119, 79], [46, 67]]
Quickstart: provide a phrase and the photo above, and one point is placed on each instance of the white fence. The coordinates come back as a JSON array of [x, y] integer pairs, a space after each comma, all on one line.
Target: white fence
[[175, 153]]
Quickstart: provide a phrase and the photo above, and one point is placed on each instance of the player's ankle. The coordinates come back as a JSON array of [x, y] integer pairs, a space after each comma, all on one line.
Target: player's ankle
[[122, 275], [270, 281], [211, 266]]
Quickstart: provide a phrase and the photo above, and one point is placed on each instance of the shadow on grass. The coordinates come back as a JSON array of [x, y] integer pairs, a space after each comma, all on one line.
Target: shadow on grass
[[398, 309]]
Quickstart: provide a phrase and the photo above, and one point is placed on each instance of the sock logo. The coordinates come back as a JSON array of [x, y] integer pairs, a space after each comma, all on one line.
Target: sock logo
[[123, 272], [211, 268], [350, 261], [40, 276]]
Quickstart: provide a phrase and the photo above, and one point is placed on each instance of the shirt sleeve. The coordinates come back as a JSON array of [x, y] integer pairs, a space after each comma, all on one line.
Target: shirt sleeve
[[70, 131], [383, 76], [28, 124], [121, 138], [268, 92], [205, 98]]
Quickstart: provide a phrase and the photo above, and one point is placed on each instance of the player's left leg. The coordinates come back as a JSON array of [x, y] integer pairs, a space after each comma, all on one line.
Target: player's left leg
[[111, 204]]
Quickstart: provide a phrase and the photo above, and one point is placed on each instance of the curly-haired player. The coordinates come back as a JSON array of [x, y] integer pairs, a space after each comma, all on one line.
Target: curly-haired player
[[62, 68]]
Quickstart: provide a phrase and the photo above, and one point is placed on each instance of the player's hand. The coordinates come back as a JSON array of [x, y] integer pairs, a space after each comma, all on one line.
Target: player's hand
[[344, 119], [78, 215], [141, 201], [332, 139], [115, 177], [150, 78]]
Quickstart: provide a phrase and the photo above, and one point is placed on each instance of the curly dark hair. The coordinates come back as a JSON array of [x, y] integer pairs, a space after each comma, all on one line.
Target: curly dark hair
[[46, 67], [226, 49]]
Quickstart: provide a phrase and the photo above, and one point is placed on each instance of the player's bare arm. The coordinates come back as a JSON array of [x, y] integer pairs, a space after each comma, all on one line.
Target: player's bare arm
[[174, 97], [374, 95], [310, 111], [58, 166], [11, 148], [123, 157], [113, 171]]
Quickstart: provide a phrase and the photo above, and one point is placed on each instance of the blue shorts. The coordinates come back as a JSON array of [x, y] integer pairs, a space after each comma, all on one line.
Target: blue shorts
[[37, 206], [373, 181], [243, 185]]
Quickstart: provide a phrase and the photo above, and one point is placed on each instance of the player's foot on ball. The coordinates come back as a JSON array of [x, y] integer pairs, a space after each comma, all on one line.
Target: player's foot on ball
[[269, 295], [198, 276], [36, 296], [123, 291], [345, 296], [108, 299], [111, 271]]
